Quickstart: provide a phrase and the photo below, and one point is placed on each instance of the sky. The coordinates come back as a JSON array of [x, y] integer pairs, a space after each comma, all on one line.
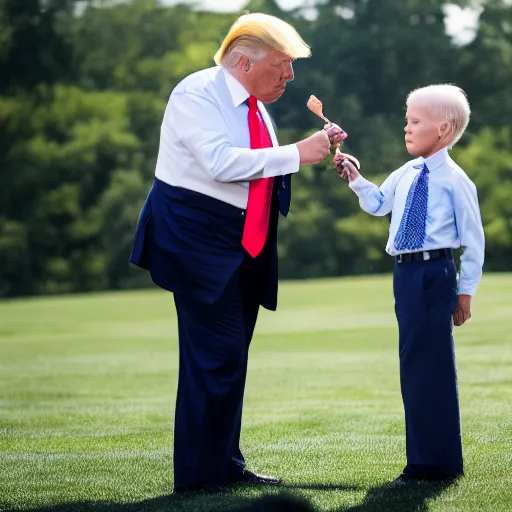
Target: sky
[[460, 23], [236, 5]]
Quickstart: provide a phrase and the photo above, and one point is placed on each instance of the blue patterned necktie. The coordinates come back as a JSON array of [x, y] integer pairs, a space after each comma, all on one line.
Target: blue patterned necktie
[[412, 231]]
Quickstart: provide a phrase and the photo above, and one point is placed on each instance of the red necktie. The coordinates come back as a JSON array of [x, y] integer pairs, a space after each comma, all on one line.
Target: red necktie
[[260, 191]]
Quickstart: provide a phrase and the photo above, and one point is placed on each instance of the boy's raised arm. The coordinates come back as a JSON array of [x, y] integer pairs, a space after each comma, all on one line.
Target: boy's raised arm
[[374, 200]]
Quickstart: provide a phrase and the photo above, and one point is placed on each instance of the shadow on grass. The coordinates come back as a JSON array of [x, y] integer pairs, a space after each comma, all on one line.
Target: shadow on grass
[[383, 498], [412, 497], [193, 502], [321, 487]]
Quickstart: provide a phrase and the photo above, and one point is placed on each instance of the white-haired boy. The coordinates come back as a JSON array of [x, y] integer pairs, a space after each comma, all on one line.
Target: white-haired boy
[[435, 209]]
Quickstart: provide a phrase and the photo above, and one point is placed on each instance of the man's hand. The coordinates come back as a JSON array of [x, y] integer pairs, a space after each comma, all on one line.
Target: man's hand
[[315, 148], [462, 310], [344, 167]]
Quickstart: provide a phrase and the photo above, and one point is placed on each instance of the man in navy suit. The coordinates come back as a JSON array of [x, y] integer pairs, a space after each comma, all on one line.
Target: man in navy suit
[[208, 233]]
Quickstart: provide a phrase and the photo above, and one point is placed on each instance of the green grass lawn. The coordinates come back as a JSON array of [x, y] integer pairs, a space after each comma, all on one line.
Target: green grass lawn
[[87, 390]]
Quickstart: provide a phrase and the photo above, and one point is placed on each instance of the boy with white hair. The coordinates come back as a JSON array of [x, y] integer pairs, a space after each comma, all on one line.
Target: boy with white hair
[[435, 209]]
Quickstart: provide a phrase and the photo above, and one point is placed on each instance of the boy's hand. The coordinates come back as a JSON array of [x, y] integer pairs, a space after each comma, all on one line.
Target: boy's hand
[[344, 167], [462, 310]]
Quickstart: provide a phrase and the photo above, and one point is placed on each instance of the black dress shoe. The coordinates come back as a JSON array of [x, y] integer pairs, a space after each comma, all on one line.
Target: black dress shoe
[[248, 477], [405, 479]]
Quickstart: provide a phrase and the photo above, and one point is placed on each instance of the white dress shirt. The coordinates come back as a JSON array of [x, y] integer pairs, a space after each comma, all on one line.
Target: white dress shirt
[[204, 140], [453, 214]]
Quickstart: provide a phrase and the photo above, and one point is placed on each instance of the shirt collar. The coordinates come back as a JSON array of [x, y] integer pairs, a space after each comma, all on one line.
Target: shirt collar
[[436, 160], [236, 89]]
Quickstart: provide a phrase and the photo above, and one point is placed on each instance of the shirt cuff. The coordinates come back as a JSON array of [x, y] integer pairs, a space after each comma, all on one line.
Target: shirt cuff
[[281, 160], [466, 289], [359, 184]]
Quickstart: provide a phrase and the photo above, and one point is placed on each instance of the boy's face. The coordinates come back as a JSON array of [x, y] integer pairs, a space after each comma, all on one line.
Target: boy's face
[[425, 134]]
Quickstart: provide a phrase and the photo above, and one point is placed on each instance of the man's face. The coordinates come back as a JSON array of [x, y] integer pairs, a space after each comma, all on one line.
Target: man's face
[[422, 131], [267, 78]]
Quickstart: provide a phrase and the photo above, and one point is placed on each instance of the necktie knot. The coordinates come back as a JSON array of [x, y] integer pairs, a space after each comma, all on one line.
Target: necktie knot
[[252, 102]]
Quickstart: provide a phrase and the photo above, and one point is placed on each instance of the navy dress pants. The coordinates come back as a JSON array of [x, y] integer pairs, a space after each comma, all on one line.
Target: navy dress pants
[[213, 344], [425, 297]]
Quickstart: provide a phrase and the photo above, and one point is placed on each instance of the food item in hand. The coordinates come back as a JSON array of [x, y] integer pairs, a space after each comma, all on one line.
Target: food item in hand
[[315, 105]]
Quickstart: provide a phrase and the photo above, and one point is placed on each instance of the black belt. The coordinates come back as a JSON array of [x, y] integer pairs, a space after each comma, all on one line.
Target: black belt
[[436, 254]]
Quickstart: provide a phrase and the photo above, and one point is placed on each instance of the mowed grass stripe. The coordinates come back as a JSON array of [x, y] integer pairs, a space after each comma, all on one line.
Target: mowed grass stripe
[[88, 383]]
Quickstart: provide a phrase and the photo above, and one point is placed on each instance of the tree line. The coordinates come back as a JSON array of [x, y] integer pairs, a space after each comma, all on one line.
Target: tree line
[[83, 88]]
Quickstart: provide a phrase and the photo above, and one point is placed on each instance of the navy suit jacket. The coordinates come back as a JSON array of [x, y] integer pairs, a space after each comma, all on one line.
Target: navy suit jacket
[[191, 243]]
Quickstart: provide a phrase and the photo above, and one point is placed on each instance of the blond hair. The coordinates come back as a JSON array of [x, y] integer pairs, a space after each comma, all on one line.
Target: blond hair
[[252, 34], [446, 101]]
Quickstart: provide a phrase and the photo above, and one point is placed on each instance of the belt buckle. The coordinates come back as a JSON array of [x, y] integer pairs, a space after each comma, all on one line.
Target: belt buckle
[[426, 255], [399, 258]]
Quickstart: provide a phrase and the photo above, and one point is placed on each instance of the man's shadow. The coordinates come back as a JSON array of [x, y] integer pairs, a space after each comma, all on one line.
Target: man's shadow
[[204, 502], [383, 498]]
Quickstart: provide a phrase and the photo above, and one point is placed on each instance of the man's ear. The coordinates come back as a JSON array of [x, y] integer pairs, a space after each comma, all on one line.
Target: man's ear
[[245, 63]]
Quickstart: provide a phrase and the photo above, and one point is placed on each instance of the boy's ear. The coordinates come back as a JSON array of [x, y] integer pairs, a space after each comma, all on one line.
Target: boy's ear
[[444, 128]]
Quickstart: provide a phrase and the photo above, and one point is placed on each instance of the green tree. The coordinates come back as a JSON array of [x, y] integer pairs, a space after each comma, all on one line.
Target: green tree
[[84, 89], [487, 159], [67, 148], [485, 67], [34, 43]]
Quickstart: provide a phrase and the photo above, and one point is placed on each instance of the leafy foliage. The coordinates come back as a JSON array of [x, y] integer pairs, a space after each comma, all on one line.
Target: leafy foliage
[[84, 87]]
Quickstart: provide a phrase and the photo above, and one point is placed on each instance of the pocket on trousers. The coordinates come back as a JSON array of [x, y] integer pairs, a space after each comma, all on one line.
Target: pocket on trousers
[[440, 287]]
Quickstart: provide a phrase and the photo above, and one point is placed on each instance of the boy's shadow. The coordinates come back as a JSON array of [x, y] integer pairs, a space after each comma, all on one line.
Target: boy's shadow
[[411, 497]]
